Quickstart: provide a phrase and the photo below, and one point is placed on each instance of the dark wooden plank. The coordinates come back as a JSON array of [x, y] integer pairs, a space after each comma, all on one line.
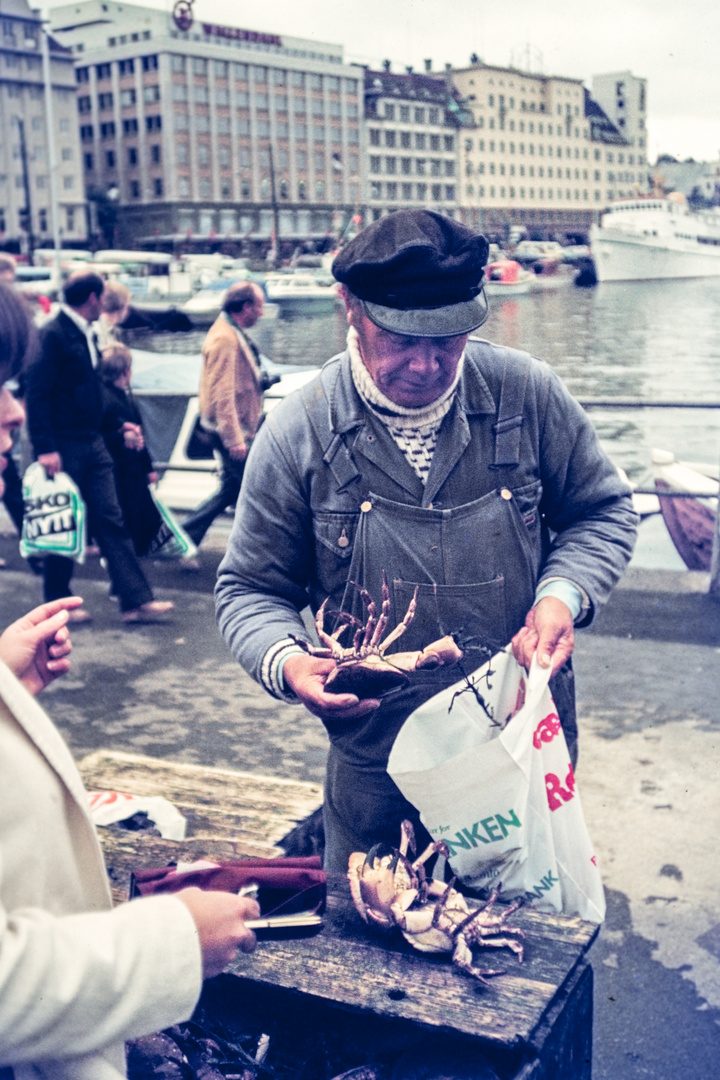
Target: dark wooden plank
[[218, 803], [349, 966]]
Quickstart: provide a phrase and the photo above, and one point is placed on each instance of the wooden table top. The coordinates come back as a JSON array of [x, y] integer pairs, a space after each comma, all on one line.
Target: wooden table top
[[351, 965]]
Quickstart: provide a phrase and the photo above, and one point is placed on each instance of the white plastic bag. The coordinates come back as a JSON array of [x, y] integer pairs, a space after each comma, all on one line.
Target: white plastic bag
[[496, 784], [171, 541], [54, 515], [107, 807]]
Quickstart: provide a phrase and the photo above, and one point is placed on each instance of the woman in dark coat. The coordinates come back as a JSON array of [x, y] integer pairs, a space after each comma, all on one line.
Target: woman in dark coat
[[122, 431]]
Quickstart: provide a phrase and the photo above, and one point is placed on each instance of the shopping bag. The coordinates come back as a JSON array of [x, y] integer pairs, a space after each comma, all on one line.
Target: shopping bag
[[486, 764], [171, 541], [53, 517]]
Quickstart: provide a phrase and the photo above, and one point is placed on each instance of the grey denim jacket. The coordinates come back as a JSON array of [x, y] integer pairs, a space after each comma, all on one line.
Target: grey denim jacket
[[294, 528]]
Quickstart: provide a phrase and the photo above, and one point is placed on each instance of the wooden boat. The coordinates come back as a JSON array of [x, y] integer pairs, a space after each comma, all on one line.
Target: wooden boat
[[506, 277], [689, 521]]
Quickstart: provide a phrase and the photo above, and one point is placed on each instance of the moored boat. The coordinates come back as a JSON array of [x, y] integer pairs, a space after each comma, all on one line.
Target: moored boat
[[302, 292], [646, 239], [506, 277], [689, 521]]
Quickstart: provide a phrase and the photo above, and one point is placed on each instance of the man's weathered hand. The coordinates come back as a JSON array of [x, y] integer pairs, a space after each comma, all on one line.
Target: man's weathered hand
[[306, 675], [548, 630], [51, 463], [36, 648]]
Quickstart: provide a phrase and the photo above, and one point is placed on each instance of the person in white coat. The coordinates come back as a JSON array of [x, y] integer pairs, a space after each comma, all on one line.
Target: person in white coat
[[77, 977]]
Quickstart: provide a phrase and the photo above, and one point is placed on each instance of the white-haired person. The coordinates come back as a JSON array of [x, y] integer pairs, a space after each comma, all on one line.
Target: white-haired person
[[77, 977]]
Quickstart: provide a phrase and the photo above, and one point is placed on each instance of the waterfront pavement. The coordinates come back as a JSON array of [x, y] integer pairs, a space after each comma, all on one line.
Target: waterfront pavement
[[648, 677]]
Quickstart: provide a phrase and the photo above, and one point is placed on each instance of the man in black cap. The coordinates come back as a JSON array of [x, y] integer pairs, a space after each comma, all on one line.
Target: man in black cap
[[460, 471]]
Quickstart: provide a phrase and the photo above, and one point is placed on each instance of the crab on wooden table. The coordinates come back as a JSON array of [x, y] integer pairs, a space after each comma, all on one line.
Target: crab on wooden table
[[390, 890], [363, 668]]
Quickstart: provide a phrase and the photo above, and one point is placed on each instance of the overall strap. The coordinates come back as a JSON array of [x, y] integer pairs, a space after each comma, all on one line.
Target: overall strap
[[336, 455], [508, 425]]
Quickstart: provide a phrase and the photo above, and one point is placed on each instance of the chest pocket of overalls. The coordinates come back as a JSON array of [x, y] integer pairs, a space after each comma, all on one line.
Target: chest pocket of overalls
[[334, 539]]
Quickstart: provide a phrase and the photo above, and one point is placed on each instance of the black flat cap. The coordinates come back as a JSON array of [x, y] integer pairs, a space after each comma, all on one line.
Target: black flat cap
[[418, 273]]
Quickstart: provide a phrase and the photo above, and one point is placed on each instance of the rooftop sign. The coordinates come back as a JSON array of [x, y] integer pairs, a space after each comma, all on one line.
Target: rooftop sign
[[241, 35]]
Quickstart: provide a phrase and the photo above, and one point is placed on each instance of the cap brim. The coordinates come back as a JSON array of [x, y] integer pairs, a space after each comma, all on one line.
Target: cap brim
[[450, 321]]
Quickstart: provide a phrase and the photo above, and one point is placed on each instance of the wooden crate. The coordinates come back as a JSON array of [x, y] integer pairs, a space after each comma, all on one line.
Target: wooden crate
[[251, 811], [383, 997]]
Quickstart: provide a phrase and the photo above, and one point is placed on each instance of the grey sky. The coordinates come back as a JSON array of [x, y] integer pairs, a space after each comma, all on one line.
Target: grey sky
[[672, 44]]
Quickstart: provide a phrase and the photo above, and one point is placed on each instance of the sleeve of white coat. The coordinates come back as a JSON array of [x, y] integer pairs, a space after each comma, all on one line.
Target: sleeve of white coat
[[72, 984]]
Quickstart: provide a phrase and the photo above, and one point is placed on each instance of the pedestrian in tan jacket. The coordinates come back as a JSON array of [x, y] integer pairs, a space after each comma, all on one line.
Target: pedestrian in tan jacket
[[230, 398]]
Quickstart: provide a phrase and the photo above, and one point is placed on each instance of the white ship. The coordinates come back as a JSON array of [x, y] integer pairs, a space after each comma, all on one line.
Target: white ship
[[647, 238]]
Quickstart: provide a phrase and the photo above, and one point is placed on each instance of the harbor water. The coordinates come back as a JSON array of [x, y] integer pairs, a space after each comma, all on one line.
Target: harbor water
[[645, 341]]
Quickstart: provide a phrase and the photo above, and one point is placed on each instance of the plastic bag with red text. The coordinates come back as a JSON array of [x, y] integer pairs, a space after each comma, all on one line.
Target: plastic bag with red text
[[486, 764]]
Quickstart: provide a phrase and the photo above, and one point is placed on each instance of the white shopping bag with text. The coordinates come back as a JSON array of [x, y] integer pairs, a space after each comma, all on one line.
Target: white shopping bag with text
[[486, 764], [53, 515]]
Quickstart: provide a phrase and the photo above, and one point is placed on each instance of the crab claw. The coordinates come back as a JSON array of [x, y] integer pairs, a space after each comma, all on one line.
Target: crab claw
[[440, 653]]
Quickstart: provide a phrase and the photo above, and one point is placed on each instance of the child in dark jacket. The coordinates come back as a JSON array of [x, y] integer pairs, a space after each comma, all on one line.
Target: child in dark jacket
[[122, 431]]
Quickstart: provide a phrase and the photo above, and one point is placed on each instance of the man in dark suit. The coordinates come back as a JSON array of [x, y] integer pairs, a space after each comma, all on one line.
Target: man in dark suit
[[64, 406]]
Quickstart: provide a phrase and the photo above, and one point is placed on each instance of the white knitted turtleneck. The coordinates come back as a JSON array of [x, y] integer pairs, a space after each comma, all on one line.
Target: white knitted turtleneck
[[415, 431]]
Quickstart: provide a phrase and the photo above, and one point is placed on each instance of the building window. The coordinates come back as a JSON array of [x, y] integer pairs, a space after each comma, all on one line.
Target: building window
[[392, 190], [82, 75], [127, 98], [107, 130], [151, 94], [132, 155], [130, 126], [183, 186], [422, 192], [84, 104], [302, 189], [157, 186], [201, 95], [110, 159], [199, 65], [221, 68], [375, 190], [297, 79], [420, 166], [134, 189], [86, 132], [407, 191], [390, 165], [102, 71], [435, 167], [419, 140], [260, 74], [105, 101], [177, 63], [319, 189], [434, 142], [126, 67], [70, 218], [153, 123], [88, 160]]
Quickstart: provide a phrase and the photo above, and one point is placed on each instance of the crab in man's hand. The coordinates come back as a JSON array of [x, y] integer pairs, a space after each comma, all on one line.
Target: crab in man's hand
[[364, 668], [389, 890]]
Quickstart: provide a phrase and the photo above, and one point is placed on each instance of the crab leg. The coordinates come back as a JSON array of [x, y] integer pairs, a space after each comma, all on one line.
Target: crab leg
[[336, 650], [402, 626], [384, 616]]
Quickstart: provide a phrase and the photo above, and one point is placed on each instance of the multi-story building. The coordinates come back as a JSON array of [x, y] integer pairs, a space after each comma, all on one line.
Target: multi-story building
[[623, 98], [197, 129], [413, 127], [528, 161], [25, 209], [543, 154]]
